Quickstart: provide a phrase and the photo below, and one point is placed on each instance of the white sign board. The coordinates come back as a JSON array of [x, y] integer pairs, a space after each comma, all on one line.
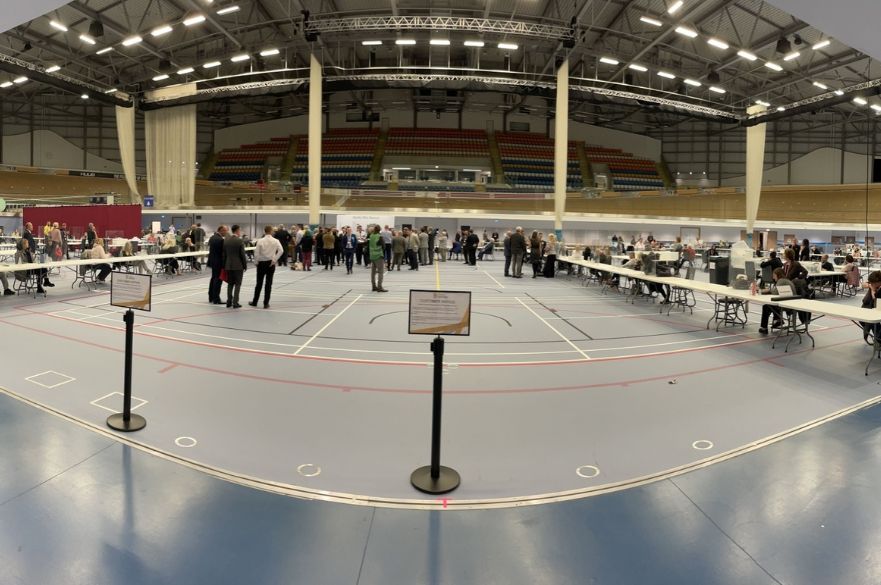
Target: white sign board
[[131, 291], [354, 221], [436, 312]]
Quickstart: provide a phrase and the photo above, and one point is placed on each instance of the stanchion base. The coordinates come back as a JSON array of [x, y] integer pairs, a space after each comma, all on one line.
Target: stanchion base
[[117, 422], [447, 480]]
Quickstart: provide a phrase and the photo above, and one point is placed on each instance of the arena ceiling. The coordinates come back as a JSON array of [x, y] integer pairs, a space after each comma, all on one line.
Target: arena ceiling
[[631, 61]]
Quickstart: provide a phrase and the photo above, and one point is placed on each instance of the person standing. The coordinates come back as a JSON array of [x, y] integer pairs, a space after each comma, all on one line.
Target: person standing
[[376, 250], [518, 251], [28, 236], [359, 250], [306, 242], [535, 253], [386, 234], [350, 244], [284, 238], [551, 257], [431, 238], [215, 263], [199, 237], [399, 247], [423, 246], [471, 242], [506, 245], [328, 248], [91, 234], [413, 249], [266, 254], [442, 240], [235, 263]]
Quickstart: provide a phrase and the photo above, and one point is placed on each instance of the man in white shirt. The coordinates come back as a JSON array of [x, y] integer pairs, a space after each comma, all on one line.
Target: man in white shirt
[[266, 254]]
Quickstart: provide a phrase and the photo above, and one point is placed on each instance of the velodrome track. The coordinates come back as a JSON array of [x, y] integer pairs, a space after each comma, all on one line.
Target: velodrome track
[[560, 391]]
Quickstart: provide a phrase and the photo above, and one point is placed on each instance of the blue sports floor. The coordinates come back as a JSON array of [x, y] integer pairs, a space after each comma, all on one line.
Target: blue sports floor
[[786, 494]]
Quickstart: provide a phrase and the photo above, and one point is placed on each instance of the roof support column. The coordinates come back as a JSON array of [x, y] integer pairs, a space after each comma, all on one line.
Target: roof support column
[[314, 139], [561, 146], [755, 166]]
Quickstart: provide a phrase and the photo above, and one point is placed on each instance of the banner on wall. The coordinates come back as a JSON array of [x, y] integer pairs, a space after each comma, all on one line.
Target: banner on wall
[[364, 220]]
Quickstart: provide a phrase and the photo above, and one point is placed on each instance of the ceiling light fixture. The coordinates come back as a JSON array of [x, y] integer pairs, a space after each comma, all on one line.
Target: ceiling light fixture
[[162, 77], [268, 52], [684, 30], [85, 96], [763, 103], [718, 43], [822, 44], [692, 82], [369, 43], [185, 70], [87, 39], [161, 30], [197, 19], [773, 66], [876, 107], [111, 90], [608, 61], [508, 46], [134, 40], [474, 43], [211, 65], [781, 109], [839, 92], [104, 50], [228, 10], [715, 89], [636, 67], [6, 84], [53, 69], [791, 56], [20, 80], [674, 8], [651, 21], [439, 42], [860, 101], [240, 58], [822, 86], [666, 74], [746, 55], [57, 25], [405, 42]]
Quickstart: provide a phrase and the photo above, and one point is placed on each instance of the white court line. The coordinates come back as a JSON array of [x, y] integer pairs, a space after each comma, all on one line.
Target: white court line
[[329, 323], [493, 279], [566, 339]]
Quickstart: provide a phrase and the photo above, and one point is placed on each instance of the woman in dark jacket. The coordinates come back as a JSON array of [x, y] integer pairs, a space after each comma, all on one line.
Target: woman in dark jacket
[[804, 253], [535, 254], [792, 269], [306, 249]]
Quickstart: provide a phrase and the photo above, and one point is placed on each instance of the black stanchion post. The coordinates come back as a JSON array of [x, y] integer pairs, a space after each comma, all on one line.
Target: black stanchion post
[[435, 478], [126, 421]]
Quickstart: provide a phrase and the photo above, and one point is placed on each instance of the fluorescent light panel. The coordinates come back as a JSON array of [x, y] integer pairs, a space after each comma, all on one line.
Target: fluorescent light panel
[[474, 43], [53, 69], [6, 84], [369, 43], [161, 30], [839, 92], [268, 52], [85, 96], [87, 39], [608, 61], [684, 30], [439, 42], [674, 8], [860, 101], [822, 86], [876, 107], [134, 40], [781, 109], [508, 46], [791, 56], [20, 80], [822, 44], [692, 82], [57, 25], [228, 10], [185, 70], [763, 103], [651, 21], [746, 55], [636, 67], [211, 65], [773, 66], [666, 75], [111, 90], [240, 58], [715, 89], [405, 42], [196, 19], [161, 77], [718, 43], [104, 50]]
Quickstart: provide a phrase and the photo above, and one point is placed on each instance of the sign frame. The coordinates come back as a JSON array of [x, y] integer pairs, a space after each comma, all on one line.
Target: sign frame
[[445, 328], [140, 303]]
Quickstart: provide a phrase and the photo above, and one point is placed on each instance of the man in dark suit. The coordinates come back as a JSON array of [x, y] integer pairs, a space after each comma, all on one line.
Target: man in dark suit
[[507, 246], [235, 263], [284, 238], [518, 252], [28, 235], [215, 262], [471, 243]]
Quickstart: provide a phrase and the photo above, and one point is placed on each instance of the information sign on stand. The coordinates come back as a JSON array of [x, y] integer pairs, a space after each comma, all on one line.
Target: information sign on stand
[[435, 312], [130, 291]]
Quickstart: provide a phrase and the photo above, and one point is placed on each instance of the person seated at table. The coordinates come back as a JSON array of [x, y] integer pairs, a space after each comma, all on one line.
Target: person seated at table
[[779, 281], [487, 249], [870, 301], [128, 251], [773, 261], [99, 253], [188, 246], [24, 255], [792, 268], [171, 265], [635, 262], [825, 264]]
